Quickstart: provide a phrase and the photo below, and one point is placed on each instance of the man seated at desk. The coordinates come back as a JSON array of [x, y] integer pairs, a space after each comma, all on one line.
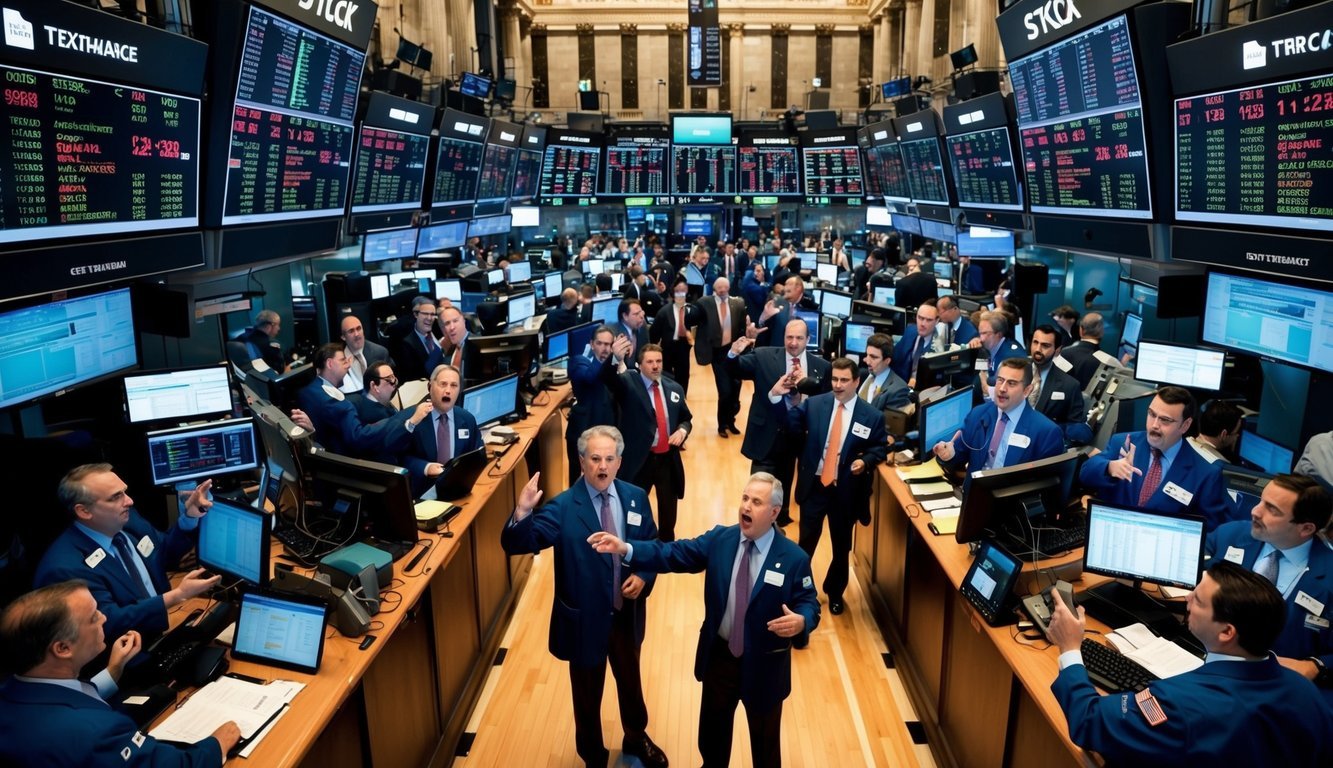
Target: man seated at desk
[[52, 718], [122, 558], [1280, 542], [1005, 432], [1156, 469], [452, 431], [1240, 708], [375, 403], [337, 426]]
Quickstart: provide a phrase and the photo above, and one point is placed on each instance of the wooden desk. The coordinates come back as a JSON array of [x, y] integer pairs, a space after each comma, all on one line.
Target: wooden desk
[[405, 700], [983, 696]]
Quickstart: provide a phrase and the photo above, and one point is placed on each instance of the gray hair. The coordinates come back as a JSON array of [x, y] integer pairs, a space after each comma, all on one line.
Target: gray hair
[[72, 491], [774, 495], [601, 430], [442, 367], [266, 317], [998, 321]]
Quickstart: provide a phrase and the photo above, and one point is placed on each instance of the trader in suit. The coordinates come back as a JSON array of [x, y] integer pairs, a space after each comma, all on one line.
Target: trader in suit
[[655, 422], [872, 263], [590, 374], [1085, 355], [633, 325], [671, 330], [459, 352], [697, 271], [600, 604], [730, 264], [915, 287], [1219, 428], [259, 342], [755, 289], [766, 444], [1005, 432], [52, 718], [419, 351], [759, 601], [338, 428], [917, 341], [1240, 708], [995, 342], [120, 555], [842, 440], [724, 321], [1156, 469], [970, 277], [1280, 541], [375, 404], [566, 316], [451, 431], [953, 327], [1057, 394], [880, 386], [361, 353], [777, 313]]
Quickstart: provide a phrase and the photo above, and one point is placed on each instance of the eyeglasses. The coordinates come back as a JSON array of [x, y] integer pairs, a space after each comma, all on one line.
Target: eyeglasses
[[391, 380], [419, 313]]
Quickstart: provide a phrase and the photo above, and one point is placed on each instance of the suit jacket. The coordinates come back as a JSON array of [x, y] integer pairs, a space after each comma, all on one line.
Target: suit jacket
[[663, 330], [423, 449], [339, 429], [639, 337], [965, 333], [866, 440], [971, 281], [638, 423], [254, 344], [764, 366], [368, 409], [777, 324], [469, 363], [1284, 719], [1061, 399], [560, 319], [711, 339], [756, 295], [1079, 354], [1044, 439], [916, 288], [1008, 348], [718, 266], [590, 381], [902, 351], [766, 660], [895, 393], [860, 282], [414, 362], [111, 585], [582, 610], [49, 725], [1189, 472], [1301, 638]]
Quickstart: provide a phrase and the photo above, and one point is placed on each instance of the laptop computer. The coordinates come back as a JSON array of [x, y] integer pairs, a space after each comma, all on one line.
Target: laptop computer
[[460, 474], [280, 630]]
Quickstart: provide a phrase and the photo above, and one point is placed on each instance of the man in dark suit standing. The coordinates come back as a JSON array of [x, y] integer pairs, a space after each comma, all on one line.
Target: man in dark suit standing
[[1085, 356], [633, 325], [590, 374], [917, 341], [655, 422], [375, 404], [461, 354], [724, 321], [842, 440], [361, 352], [767, 445], [759, 600], [600, 603], [450, 431], [337, 426], [730, 264], [778, 313], [873, 262], [954, 327], [1006, 432], [880, 386], [566, 316], [970, 279], [1058, 395], [671, 330], [419, 351], [916, 286]]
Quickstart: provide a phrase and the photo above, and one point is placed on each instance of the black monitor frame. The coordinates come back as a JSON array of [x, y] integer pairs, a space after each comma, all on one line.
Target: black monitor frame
[[383, 492], [264, 543], [998, 498]]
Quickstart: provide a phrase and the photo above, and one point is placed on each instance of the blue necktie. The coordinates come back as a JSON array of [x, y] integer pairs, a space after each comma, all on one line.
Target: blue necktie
[[125, 554]]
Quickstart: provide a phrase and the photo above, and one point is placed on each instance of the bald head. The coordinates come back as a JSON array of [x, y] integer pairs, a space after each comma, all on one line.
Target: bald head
[[569, 298], [794, 337], [722, 287]]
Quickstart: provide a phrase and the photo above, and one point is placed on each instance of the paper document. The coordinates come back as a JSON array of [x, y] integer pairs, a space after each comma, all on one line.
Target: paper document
[[250, 705], [1156, 654], [924, 471], [930, 489], [429, 509], [945, 506]]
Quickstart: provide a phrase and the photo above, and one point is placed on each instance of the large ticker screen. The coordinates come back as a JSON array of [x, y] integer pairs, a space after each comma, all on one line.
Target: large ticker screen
[[390, 170], [925, 170], [831, 172], [291, 130], [494, 185], [527, 174], [703, 170], [1080, 120], [636, 165], [81, 157], [569, 173], [983, 169], [769, 170], [1258, 156], [457, 171]]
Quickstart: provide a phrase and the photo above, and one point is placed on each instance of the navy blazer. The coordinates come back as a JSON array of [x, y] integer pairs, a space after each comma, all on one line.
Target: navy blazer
[[777, 324], [582, 610], [590, 381], [1044, 440], [1224, 713], [971, 281], [412, 360], [49, 725], [764, 366], [1081, 357], [116, 594], [638, 422], [1061, 399], [766, 661], [1302, 636], [1190, 472], [423, 449], [639, 337], [965, 333], [866, 440], [339, 428], [1008, 348], [902, 351]]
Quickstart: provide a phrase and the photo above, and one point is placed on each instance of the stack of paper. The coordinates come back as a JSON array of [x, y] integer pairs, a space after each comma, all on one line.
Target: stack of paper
[[252, 706], [925, 471], [1156, 654]]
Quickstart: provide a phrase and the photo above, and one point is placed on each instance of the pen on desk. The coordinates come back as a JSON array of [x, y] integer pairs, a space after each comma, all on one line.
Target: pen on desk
[[416, 559], [247, 678]]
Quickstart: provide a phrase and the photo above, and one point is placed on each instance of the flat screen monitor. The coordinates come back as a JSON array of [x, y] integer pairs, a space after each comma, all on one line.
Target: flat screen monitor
[[475, 85], [999, 246], [492, 401], [450, 288], [854, 336], [202, 451], [942, 417], [519, 309], [827, 272], [567, 343], [617, 280], [696, 224], [458, 164], [234, 541], [835, 304], [1180, 365], [178, 395], [570, 166], [1009, 498], [495, 277], [700, 129], [387, 244], [50, 347], [379, 286], [525, 216], [399, 279], [1278, 321], [1140, 545], [594, 267], [895, 89], [489, 226], [518, 272], [811, 318], [878, 216], [1264, 454], [390, 170], [606, 310], [809, 261], [943, 269], [886, 295], [983, 169], [555, 285], [379, 495], [440, 237], [636, 165], [281, 630], [1130, 330]]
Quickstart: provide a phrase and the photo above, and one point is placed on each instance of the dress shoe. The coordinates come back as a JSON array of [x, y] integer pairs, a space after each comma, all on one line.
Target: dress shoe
[[836, 607], [784, 521], [648, 753], [723, 432], [801, 641], [732, 429]]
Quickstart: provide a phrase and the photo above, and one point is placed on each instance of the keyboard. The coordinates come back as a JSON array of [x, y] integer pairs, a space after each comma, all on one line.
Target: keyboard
[[1111, 670], [1050, 541], [303, 546]]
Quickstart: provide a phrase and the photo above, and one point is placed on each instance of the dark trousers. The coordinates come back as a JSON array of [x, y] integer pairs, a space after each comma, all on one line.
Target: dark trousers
[[656, 474], [817, 506], [717, 715], [572, 453], [728, 389], [780, 463], [676, 361], [587, 684]]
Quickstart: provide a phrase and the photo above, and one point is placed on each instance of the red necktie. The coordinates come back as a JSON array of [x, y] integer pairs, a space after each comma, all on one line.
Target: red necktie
[[661, 446], [1152, 479]]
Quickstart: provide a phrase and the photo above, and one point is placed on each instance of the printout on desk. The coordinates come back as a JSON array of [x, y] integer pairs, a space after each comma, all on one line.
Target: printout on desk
[[251, 705], [1155, 654], [939, 488], [945, 506], [927, 470]]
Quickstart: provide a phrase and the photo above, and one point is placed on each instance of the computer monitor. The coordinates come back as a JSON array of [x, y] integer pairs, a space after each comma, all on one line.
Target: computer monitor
[[519, 272], [379, 286], [1192, 367], [386, 244], [554, 283], [855, 333], [204, 450], [1143, 545], [1264, 454], [809, 261], [178, 395], [234, 541], [281, 390], [835, 304], [525, 216], [495, 277], [617, 280], [1014, 501], [439, 237], [1129, 336], [886, 295], [493, 401], [943, 416], [606, 310], [375, 498], [520, 308], [938, 367], [826, 272], [943, 269], [450, 288], [594, 267], [398, 279], [895, 316], [558, 346], [811, 318], [281, 630], [426, 274], [504, 354]]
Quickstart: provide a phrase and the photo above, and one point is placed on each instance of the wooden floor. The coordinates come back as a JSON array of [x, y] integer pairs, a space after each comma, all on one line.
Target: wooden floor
[[847, 708]]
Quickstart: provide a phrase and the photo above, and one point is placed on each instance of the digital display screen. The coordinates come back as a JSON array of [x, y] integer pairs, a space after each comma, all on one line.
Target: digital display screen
[[497, 169], [569, 171], [491, 225], [769, 170], [925, 170], [636, 165], [491, 401], [457, 171], [291, 127], [439, 237], [832, 171], [983, 169], [886, 161], [701, 129], [1081, 125], [703, 171], [390, 170], [475, 85], [979, 247], [195, 452], [1288, 323], [389, 244], [83, 157], [527, 174]]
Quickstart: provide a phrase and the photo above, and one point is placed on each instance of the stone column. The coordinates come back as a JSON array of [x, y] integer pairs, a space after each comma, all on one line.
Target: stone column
[[736, 65]]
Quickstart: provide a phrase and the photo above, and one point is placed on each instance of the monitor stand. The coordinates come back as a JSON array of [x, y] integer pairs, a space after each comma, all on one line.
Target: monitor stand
[[1118, 605]]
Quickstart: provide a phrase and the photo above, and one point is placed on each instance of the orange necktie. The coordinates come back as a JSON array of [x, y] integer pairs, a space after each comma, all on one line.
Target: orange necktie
[[830, 474]]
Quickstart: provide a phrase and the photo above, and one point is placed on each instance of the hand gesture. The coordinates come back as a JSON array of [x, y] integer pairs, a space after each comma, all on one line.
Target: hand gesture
[[422, 413], [770, 309], [194, 584], [607, 544], [974, 343], [301, 420], [789, 624], [632, 586], [752, 331], [122, 650], [781, 388], [1123, 468], [1065, 629], [621, 347], [739, 346], [529, 497], [677, 438], [197, 503], [944, 449]]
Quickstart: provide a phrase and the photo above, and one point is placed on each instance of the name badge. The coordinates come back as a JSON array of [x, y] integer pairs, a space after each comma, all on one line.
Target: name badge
[[634, 518], [96, 557], [1179, 494], [773, 577], [138, 738], [1019, 441], [333, 392], [1310, 604], [982, 365], [145, 546], [860, 430], [675, 397], [1315, 623], [1235, 555], [1057, 395], [1063, 364], [464, 434]]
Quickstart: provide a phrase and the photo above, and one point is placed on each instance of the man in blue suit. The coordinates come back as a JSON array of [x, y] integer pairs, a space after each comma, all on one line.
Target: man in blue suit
[[1006, 432], [590, 374], [1240, 708], [633, 326], [1281, 542], [970, 280], [419, 350], [1059, 396], [778, 313], [917, 341], [600, 604], [120, 555], [52, 718], [996, 344], [843, 439], [451, 431], [759, 600], [954, 326], [1156, 469], [880, 386], [337, 426]]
